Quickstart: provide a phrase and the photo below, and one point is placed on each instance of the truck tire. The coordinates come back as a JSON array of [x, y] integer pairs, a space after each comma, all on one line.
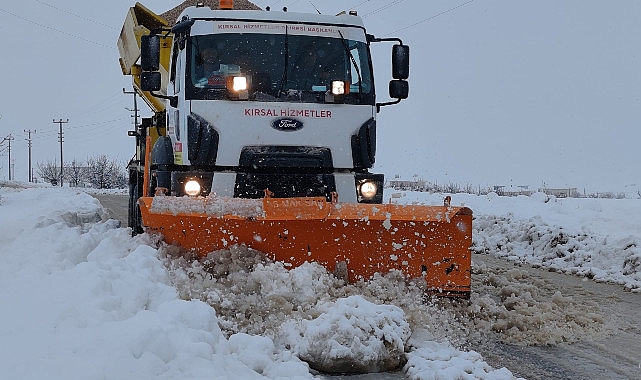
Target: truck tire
[[134, 217]]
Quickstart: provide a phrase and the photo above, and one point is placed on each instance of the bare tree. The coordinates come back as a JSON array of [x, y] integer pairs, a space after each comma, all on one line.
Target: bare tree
[[104, 173], [451, 188], [468, 188], [75, 173], [49, 171]]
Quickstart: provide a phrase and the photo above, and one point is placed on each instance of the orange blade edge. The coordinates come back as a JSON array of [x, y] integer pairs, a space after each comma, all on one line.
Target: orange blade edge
[[432, 242]]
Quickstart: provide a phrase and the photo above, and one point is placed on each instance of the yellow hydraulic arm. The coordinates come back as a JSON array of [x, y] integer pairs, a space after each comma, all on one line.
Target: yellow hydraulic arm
[[139, 22]]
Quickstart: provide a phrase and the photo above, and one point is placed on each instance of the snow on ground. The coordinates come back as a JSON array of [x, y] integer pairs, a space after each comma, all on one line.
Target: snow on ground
[[81, 299], [596, 238]]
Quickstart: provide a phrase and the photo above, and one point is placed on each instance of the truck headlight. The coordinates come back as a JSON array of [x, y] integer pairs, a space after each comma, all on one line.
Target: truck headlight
[[192, 188], [368, 189]]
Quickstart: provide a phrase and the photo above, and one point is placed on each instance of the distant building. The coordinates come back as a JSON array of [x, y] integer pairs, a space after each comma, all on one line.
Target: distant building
[[512, 191], [408, 185], [569, 192]]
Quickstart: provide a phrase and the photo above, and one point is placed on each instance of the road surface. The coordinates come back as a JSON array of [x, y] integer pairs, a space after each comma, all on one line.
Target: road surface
[[116, 206], [614, 354]]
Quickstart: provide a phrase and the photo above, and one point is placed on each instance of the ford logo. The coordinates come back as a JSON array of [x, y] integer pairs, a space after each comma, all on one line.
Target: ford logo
[[284, 124]]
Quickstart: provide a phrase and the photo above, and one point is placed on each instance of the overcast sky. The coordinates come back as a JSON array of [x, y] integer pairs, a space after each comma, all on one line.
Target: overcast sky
[[501, 92]]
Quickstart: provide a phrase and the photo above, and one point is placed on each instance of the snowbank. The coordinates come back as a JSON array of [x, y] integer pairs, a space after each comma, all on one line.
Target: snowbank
[[83, 300]]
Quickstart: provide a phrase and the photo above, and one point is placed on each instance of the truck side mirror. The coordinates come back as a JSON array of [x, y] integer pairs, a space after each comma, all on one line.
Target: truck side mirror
[[150, 52], [400, 62], [183, 27], [399, 89], [150, 80]]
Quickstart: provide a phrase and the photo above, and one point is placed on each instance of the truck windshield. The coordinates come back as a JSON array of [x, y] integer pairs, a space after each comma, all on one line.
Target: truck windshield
[[278, 67]]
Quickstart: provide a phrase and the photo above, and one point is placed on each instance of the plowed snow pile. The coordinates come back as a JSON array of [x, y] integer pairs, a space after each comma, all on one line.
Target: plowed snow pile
[[602, 258], [81, 299]]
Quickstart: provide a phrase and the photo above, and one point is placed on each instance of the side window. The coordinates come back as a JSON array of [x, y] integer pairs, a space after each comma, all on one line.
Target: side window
[[355, 71], [174, 59], [360, 73], [180, 71]]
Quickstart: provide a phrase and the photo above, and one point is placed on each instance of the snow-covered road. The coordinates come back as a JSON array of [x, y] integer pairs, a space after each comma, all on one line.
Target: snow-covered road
[[610, 351]]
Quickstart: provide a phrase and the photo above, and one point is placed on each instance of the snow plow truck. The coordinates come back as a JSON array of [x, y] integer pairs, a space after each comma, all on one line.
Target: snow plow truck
[[263, 134]]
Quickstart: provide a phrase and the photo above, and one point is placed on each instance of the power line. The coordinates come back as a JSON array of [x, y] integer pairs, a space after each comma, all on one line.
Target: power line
[[54, 29], [9, 139], [359, 4], [384, 7], [430, 18], [29, 131], [135, 110], [105, 104], [76, 15], [60, 136], [97, 126]]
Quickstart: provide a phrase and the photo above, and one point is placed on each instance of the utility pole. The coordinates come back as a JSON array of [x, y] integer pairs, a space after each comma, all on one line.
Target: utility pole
[[60, 139], [135, 110], [9, 138], [29, 131]]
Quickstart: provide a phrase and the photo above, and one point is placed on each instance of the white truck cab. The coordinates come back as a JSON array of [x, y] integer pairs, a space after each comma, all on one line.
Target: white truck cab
[[273, 103]]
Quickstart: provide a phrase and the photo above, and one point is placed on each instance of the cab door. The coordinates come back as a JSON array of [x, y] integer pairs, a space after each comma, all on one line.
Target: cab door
[[177, 110]]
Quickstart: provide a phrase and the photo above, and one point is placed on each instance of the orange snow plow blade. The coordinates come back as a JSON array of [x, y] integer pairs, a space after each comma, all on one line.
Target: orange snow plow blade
[[432, 242]]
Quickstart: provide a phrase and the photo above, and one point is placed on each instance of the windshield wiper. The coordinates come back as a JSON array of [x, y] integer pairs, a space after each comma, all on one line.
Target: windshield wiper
[[283, 79], [351, 57]]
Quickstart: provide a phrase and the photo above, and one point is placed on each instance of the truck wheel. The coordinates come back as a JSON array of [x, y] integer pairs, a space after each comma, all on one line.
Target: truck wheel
[[135, 218]]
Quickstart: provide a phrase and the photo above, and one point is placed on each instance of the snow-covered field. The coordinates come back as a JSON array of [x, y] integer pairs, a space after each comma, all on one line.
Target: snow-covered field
[[81, 299]]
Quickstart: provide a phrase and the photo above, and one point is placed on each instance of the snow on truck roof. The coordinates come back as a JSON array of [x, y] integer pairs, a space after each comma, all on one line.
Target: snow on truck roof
[[244, 9], [174, 12], [343, 19]]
